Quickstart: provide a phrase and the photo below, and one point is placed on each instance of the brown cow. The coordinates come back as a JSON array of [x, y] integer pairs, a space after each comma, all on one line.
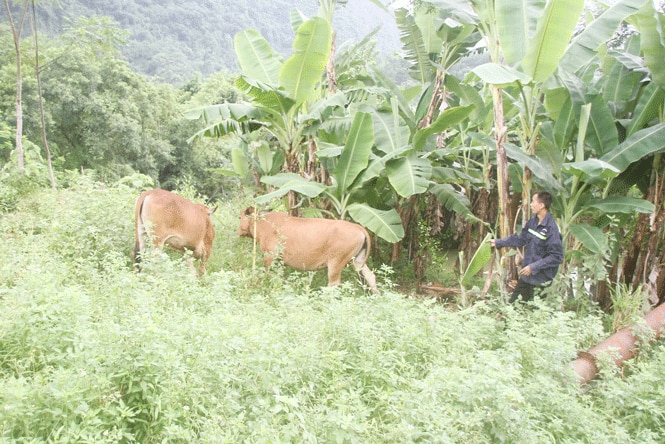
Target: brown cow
[[310, 243], [175, 221]]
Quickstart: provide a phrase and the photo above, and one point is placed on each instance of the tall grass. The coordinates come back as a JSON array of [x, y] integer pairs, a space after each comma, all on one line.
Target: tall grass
[[91, 352]]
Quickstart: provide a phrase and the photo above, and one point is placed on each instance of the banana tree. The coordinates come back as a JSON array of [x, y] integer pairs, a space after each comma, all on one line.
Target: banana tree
[[531, 37], [606, 125], [362, 176], [281, 92], [350, 174], [523, 52], [642, 265], [631, 100], [552, 116], [546, 130], [288, 102], [417, 120]]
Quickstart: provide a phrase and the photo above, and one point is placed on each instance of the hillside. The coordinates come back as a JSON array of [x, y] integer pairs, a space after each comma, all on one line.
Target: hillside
[[173, 41]]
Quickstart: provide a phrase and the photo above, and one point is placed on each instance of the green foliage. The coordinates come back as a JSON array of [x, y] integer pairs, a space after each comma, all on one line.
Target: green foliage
[[101, 116], [15, 184], [628, 306], [91, 352], [287, 102], [5, 141]]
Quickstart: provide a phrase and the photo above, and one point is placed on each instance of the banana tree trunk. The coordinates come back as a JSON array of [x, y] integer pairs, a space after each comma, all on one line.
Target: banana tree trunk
[[330, 68], [622, 345], [502, 178], [642, 264]]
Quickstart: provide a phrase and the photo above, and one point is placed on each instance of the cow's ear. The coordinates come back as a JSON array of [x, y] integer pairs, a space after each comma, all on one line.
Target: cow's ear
[[249, 211]]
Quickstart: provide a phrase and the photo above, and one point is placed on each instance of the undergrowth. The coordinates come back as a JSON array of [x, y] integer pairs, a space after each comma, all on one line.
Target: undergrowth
[[92, 352]]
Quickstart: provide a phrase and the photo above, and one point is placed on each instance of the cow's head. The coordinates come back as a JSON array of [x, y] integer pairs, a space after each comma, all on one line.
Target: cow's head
[[247, 218]]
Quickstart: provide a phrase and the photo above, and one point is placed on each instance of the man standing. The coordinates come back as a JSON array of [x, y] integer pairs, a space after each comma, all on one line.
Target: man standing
[[543, 251]]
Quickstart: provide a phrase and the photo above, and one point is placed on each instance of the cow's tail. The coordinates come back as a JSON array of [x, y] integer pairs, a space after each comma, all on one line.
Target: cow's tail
[[360, 262], [140, 230], [363, 253]]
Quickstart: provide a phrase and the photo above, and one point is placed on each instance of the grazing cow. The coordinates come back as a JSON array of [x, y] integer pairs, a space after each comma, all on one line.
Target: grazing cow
[[175, 221], [310, 243]]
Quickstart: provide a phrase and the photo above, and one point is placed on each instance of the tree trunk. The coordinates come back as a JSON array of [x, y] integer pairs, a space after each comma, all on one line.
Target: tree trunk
[[292, 165], [436, 102], [310, 173], [644, 255], [502, 178], [660, 279], [409, 210], [406, 211], [41, 99], [330, 68], [648, 267], [16, 35]]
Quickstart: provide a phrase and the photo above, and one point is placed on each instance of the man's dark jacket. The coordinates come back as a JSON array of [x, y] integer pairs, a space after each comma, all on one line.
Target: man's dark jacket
[[543, 249]]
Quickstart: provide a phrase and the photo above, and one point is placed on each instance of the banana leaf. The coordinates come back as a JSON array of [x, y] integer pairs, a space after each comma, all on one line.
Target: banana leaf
[[480, 258], [592, 238], [385, 224], [640, 144], [583, 47], [311, 49], [554, 30], [256, 58]]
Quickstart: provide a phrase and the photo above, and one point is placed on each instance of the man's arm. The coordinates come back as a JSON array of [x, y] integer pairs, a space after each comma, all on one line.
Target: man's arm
[[515, 240]]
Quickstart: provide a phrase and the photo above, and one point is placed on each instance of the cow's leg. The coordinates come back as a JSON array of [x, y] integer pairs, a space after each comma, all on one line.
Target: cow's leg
[[361, 267], [204, 255], [202, 268], [145, 235], [140, 248], [191, 255], [139, 231], [334, 274], [136, 257], [267, 258], [202, 265], [140, 244], [370, 279]]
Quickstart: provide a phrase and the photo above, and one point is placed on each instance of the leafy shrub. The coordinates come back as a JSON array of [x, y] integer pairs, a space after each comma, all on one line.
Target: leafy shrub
[[92, 352], [15, 184]]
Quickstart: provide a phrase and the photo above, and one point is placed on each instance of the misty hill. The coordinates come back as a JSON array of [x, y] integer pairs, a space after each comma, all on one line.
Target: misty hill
[[174, 40]]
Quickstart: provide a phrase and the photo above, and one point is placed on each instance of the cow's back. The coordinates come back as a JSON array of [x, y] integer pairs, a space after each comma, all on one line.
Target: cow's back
[[173, 220], [311, 243], [173, 215]]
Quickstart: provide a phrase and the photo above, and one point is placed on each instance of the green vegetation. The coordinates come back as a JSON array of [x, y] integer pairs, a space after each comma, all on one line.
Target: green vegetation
[[102, 117], [432, 165], [91, 352]]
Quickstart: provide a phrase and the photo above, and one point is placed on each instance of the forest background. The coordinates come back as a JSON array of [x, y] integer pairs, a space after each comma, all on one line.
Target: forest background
[[434, 146], [170, 42]]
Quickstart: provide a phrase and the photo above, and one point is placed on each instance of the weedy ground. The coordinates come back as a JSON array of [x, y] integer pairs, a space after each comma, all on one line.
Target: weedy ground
[[92, 352]]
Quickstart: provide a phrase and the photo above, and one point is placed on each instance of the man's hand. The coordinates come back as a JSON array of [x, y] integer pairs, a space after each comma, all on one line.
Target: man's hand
[[492, 242], [526, 271]]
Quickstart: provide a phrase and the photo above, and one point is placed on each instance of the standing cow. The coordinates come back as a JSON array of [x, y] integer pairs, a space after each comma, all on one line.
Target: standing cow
[[310, 244], [175, 221]]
